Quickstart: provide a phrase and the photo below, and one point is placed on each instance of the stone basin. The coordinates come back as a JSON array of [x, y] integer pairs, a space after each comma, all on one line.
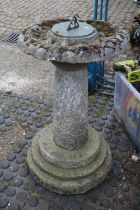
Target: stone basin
[[42, 43], [69, 157]]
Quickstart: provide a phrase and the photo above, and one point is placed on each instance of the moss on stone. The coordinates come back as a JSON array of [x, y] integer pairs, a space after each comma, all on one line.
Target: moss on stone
[[90, 99], [33, 193], [6, 184], [100, 111]]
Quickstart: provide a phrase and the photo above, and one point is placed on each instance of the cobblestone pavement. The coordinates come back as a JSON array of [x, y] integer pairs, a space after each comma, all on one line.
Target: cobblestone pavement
[[19, 190], [16, 15]]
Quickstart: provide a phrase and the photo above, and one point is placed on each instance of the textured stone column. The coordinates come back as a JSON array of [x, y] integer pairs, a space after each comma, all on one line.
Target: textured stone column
[[68, 156], [70, 105]]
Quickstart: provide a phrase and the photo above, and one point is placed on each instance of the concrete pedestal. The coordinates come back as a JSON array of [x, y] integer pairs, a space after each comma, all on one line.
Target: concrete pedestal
[[70, 105], [67, 156]]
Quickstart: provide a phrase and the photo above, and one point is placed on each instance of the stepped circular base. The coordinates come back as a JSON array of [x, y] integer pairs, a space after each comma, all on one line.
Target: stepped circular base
[[69, 172]]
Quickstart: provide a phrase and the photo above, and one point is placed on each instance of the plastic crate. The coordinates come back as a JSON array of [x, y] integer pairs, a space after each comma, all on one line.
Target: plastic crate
[[127, 107]]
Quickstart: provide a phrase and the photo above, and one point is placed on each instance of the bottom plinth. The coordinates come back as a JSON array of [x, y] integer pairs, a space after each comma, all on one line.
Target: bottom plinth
[[69, 171]]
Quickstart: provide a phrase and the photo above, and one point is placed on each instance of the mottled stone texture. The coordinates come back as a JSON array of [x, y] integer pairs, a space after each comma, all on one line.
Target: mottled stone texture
[[70, 106], [62, 170]]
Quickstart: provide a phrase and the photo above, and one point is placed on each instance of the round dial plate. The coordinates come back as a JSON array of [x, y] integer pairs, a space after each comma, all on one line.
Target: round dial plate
[[84, 30]]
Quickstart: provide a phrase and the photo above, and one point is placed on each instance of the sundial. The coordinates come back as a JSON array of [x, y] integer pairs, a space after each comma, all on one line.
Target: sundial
[[68, 156], [74, 29]]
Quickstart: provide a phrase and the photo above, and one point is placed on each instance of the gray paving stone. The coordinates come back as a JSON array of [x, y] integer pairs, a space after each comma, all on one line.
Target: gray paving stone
[[118, 207], [34, 115], [23, 142], [24, 107], [24, 171], [62, 199], [14, 206], [117, 173], [98, 128], [47, 114], [89, 207], [24, 125], [29, 135], [136, 191], [7, 176], [110, 124], [29, 122], [125, 187], [23, 119], [21, 196], [3, 128], [17, 150], [8, 123], [18, 182], [58, 208], [6, 115], [134, 201], [109, 192], [3, 202], [31, 109], [14, 168], [105, 203], [20, 159], [24, 152], [51, 195], [29, 185], [38, 124], [40, 189], [11, 156], [74, 204], [10, 191], [4, 164], [1, 120], [27, 113], [94, 198], [1, 173], [20, 111], [33, 201], [112, 146], [123, 148], [121, 197], [1, 187], [118, 164], [107, 131]]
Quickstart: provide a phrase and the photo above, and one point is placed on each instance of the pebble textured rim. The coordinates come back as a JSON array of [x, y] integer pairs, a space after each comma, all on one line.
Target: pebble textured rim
[[39, 41]]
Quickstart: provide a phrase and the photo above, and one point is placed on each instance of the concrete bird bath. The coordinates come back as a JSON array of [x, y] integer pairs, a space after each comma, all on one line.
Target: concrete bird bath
[[68, 156]]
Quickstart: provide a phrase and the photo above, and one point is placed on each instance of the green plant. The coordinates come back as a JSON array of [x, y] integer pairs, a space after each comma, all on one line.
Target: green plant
[[100, 111], [33, 193], [6, 184], [90, 99]]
